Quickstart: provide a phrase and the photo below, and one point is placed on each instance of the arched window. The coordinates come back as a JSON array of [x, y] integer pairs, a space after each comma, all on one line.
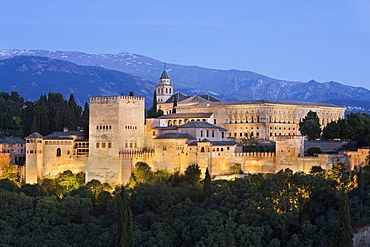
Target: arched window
[[201, 133], [213, 133], [59, 152], [166, 90], [202, 150], [170, 90]]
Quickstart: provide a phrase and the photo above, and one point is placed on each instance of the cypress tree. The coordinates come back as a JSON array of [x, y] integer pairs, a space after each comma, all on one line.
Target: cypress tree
[[76, 112], [361, 185], [34, 125], [85, 120], [174, 104], [207, 189], [153, 112], [124, 221], [154, 106], [343, 235], [44, 120]]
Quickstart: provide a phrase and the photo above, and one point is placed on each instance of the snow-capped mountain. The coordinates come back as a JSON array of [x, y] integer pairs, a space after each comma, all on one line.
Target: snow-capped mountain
[[224, 84]]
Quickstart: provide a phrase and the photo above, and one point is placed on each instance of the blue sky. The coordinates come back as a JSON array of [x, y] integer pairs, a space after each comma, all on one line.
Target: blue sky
[[291, 40]]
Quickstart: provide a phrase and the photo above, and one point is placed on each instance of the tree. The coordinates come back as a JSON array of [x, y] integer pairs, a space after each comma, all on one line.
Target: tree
[[11, 172], [153, 112], [310, 126], [96, 187], [207, 189], [174, 104], [331, 131], [124, 221], [310, 129], [361, 184], [192, 174], [85, 120], [143, 173], [69, 181], [343, 235]]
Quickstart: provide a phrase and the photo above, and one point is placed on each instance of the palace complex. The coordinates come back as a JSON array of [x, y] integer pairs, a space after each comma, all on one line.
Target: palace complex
[[203, 130]]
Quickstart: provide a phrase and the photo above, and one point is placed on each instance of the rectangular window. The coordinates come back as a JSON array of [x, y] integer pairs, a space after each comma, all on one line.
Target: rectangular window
[[109, 145], [97, 145], [103, 145]]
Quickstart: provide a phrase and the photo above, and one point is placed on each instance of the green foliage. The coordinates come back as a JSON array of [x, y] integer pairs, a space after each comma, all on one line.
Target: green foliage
[[85, 120], [310, 126], [7, 184], [237, 168], [207, 188], [343, 234], [192, 174], [317, 170], [283, 209], [69, 181], [52, 187], [336, 130], [142, 173], [174, 104], [361, 184], [314, 151], [153, 112], [124, 221], [33, 190], [11, 172]]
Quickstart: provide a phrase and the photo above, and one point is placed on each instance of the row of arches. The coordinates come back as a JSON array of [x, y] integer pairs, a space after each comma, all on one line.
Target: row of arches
[[182, 121]]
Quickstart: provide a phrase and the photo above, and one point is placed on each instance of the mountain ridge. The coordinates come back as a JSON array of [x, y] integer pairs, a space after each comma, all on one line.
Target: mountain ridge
[[225, 84]]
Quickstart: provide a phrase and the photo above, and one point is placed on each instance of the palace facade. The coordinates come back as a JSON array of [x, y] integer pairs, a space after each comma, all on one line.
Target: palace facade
[[203, 131]]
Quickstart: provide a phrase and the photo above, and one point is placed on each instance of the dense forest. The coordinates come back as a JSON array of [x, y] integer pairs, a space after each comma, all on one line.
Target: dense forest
[[162, 208], [45, 115], [171, 209]]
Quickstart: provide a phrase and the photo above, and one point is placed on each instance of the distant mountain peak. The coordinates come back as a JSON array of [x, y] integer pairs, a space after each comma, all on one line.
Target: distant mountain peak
[[227, 84]]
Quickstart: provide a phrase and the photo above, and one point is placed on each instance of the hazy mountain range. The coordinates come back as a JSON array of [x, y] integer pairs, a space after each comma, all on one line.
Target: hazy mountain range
[[32, 72]]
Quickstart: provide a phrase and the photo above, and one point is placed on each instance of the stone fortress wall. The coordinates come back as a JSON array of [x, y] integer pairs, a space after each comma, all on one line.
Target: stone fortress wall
[[120, 136]]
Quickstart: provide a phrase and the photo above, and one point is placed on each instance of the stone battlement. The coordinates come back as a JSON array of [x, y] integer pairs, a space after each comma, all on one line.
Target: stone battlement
[[107, 99]]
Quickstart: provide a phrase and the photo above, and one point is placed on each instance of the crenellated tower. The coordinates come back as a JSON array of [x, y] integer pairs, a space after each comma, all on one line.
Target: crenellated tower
[[116, 127], [164, 87]]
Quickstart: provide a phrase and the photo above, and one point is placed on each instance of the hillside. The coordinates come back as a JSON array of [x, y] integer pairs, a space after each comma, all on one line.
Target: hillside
[[224, 84], [32, 76]]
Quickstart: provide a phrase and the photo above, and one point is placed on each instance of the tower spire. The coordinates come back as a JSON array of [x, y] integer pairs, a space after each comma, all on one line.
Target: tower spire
[[164, 87]]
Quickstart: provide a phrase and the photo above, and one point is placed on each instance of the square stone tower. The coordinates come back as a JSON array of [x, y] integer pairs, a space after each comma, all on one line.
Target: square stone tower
[[116, 127]]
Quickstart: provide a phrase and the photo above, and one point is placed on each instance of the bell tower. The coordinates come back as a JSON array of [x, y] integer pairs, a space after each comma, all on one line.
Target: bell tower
[[164, 87]]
